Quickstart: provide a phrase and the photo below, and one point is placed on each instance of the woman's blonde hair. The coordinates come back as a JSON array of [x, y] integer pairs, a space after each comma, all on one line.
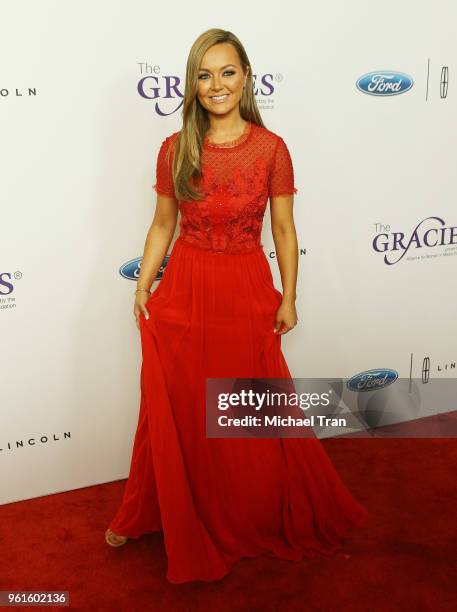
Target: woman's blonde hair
[[189, 141]]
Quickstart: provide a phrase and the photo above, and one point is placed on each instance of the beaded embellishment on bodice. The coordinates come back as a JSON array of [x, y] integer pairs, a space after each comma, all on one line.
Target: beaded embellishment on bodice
[[237, 180]]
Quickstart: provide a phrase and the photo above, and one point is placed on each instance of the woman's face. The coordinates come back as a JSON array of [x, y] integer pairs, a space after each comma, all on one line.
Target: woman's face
[[220, 79]]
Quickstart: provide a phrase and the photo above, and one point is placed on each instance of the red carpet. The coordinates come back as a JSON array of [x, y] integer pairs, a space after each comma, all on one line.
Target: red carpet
[[404, 557]]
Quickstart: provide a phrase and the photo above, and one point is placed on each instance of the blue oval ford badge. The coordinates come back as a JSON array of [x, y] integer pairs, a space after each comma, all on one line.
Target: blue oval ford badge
[[370, 380], [384, 83], [131, 269]]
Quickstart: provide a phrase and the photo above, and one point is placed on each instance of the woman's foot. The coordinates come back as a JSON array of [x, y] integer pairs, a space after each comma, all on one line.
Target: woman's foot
[[113, 539]]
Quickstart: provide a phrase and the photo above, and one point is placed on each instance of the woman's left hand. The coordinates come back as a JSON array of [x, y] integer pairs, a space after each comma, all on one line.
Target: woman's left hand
[[286, 317]]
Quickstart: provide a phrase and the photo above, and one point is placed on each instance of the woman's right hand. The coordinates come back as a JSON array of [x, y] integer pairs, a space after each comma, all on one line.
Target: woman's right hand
[[139, 307]]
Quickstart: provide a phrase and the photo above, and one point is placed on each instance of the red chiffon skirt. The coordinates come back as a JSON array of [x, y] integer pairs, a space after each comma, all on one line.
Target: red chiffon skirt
[[217, 500]]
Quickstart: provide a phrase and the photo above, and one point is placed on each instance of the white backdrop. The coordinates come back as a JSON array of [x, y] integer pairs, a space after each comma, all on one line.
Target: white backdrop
[[78, 148]]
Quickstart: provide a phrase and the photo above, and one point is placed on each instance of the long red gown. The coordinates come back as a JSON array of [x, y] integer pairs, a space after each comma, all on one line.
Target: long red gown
[[218, 500]]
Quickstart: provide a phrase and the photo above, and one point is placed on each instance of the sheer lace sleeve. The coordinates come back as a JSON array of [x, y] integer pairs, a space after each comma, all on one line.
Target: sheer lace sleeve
[[281, 179], [164, 176]]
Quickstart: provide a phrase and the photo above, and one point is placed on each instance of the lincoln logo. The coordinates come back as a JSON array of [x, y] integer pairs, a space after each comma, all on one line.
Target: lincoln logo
[[444, 81], [426, 370]]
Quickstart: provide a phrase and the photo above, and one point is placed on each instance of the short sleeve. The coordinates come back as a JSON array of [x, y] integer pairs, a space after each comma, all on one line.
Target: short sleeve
[[164, 175], [281, 178]]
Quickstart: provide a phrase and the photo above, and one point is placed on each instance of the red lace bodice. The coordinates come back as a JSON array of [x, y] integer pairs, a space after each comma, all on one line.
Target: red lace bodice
[[237, 179]]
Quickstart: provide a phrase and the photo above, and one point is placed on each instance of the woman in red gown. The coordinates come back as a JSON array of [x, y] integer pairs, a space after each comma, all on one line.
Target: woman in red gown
[[217, 314]]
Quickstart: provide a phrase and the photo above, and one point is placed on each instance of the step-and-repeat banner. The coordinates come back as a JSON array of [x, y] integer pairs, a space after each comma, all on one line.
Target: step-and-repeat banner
[[362, 95]]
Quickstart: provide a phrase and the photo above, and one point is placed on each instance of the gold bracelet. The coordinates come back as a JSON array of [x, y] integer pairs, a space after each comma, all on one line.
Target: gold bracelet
[[147, 290]]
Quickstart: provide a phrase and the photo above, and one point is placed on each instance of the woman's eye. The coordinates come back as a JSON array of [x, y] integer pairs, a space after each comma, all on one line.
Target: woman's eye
[[230, 72]]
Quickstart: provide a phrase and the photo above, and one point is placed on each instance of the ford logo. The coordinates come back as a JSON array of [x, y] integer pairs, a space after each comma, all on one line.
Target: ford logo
[[131, 269], [384, 83], [370, 380]]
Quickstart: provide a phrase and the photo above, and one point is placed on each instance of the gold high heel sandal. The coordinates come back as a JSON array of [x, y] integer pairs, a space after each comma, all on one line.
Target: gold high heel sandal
[[113, 539]]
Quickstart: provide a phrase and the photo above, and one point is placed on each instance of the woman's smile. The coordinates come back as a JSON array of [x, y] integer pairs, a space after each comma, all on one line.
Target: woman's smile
[[218, 99]]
